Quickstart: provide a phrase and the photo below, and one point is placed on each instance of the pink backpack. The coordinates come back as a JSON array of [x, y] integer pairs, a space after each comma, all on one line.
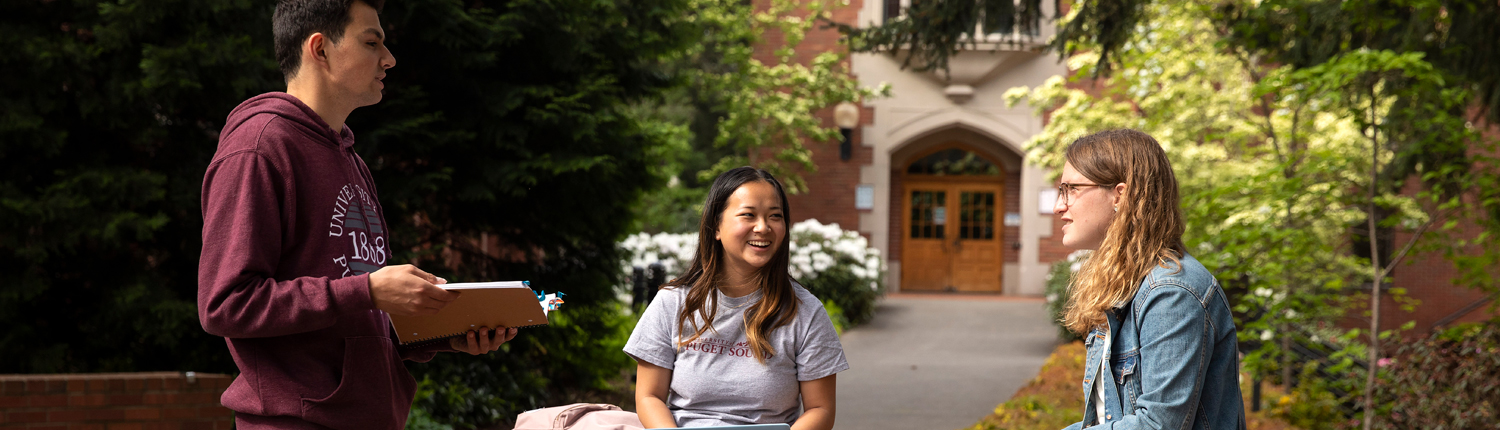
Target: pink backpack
[[579, 416]]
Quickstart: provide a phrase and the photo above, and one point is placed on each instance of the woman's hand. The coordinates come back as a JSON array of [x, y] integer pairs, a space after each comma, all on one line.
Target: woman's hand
[[651, 385], [818, 400]]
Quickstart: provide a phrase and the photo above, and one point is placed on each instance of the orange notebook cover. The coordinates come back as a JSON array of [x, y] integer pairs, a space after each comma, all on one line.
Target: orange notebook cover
[[481, 304]]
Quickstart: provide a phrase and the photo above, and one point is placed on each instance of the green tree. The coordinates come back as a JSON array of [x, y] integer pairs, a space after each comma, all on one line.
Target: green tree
[[769, 108], [743, 107], [1366, 86], [109, 115]]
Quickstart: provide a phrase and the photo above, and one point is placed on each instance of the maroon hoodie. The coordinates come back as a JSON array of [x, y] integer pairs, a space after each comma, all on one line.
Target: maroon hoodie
[[291, 230]]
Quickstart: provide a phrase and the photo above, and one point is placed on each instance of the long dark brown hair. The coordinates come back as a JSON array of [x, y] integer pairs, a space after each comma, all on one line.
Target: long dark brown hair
[[1145, 233], [779, 305]]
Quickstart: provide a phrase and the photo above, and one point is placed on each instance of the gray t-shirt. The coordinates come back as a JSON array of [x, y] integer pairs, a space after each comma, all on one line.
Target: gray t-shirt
[[716, 380]]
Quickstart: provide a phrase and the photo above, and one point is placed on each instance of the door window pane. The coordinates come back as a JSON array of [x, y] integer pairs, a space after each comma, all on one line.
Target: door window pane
[[927, 212], [977, 216]]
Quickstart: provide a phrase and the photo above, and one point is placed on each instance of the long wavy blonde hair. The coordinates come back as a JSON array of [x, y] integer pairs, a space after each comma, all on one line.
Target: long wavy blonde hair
[[1145, 233]]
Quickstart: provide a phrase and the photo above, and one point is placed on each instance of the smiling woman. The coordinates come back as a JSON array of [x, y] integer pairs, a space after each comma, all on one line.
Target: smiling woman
[[735, 326]]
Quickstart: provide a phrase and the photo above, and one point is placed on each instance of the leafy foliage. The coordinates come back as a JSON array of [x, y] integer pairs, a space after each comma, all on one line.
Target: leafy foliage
[[1056, 291], [1313, 403], [109, 115], [928, 33], [1103, 26], [1449, 380], [744, 101], [1457, 38], [766, 110]]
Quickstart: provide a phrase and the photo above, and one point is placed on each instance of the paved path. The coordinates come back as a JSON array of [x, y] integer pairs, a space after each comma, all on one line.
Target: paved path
[[940, 361]]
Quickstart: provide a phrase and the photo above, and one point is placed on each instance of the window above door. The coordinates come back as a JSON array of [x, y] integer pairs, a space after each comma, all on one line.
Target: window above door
[[953, 162]]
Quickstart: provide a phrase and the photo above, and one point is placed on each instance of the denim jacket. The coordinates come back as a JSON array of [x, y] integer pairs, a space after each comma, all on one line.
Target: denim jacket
[[1173, 361]]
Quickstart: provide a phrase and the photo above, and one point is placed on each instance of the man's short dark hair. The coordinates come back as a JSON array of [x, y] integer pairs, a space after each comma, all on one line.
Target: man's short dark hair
[[296, 20]]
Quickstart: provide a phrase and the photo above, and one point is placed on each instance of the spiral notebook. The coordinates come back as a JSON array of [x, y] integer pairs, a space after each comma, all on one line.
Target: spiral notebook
[[480, 304]]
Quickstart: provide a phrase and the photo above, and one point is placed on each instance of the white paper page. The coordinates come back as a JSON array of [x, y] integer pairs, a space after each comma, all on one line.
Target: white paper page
[[480, 285]]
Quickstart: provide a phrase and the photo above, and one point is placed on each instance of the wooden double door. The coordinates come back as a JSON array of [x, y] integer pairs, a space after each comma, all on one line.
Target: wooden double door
[[952, 236]]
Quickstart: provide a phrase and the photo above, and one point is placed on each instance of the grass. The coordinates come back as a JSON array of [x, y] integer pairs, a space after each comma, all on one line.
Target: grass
[[1053, 400]]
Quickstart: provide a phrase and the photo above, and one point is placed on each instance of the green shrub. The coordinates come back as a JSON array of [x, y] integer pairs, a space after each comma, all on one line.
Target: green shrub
[[1450, 380], [1057, 290], [836, 313], [1311, 404]]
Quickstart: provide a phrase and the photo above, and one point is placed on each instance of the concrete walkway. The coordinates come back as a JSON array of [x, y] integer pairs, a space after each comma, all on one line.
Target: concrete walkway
[[940, 361]]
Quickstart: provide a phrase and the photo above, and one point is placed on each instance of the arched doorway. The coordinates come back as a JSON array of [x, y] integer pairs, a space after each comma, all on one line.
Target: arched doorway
[[952, 237]]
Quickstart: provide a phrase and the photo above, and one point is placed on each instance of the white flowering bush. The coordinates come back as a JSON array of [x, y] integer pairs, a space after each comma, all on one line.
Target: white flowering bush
[[837, 266], [675, 251], [1057, 289]]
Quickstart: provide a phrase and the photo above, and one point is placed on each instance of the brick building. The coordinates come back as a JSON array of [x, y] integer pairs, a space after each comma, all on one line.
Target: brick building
[[936, 179]]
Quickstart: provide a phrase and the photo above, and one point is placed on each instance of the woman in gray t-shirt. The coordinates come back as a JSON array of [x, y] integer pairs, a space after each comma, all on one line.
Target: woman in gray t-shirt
[[769, 353]]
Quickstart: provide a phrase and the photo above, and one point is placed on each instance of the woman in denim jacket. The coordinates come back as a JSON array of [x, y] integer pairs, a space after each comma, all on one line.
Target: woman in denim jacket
[[1161, 341]]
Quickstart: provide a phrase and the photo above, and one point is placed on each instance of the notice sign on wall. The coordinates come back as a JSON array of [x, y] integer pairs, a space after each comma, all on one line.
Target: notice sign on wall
[[1012, 219], [939, 215], [1045, 200], [864, 197]]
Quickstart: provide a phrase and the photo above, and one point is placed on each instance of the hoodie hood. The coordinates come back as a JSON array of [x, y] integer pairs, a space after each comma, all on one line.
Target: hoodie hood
[[289, 107]]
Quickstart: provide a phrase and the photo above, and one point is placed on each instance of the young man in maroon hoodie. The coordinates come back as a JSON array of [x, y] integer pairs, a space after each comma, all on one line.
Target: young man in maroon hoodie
[[295, 242]]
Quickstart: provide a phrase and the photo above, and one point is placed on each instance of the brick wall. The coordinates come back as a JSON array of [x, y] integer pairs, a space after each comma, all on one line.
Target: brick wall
[[1428, 278], [1051, 249], [818, 40], [830, 190], [111, 401], [898, 213]]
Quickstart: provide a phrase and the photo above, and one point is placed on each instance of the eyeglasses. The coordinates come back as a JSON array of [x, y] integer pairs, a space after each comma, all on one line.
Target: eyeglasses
[[1066, 190]]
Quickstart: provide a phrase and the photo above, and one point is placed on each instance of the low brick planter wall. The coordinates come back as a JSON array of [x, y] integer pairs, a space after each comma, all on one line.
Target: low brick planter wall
[[110, 401]]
